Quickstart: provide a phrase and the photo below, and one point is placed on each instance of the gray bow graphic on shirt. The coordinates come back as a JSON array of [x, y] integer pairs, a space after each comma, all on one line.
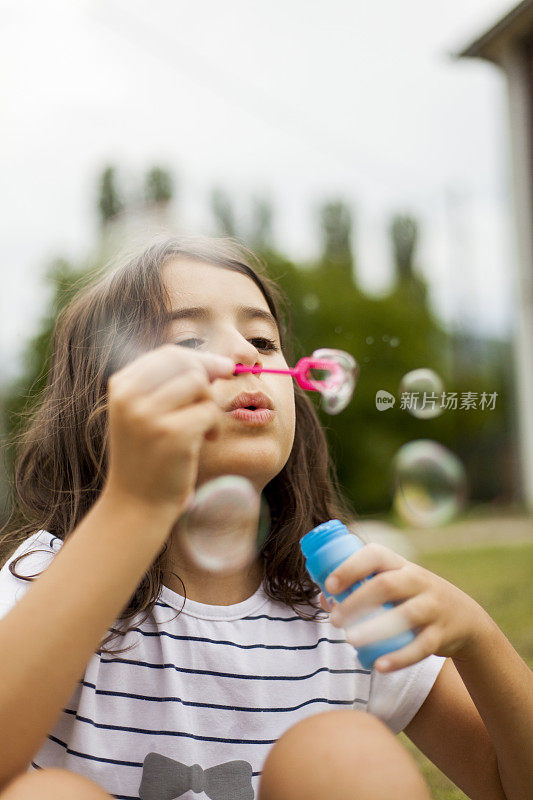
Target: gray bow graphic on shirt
[[165, 779]]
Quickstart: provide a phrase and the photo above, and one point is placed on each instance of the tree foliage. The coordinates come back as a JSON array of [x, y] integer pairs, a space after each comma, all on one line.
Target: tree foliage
[[158, 186], [110, 202]]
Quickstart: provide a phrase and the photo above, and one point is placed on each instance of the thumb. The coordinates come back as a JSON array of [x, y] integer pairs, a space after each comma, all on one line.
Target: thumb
[[217, 366]]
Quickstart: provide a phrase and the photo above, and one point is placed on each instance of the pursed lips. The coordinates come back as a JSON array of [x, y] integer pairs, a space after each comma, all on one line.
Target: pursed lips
[[250, 401]]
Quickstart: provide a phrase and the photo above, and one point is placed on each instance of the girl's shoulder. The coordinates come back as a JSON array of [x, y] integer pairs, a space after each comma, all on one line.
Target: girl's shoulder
[[40, 539], [37, 551]]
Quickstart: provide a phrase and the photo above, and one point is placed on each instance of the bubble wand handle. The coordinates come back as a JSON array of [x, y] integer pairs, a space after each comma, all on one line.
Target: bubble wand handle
[[255, 370], [300, 372]]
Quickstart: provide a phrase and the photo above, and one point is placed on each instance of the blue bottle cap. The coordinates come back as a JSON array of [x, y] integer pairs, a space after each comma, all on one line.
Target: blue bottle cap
[[319, 535]]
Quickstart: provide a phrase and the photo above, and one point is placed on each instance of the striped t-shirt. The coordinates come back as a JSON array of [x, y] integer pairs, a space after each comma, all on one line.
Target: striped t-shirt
[[192, 710]]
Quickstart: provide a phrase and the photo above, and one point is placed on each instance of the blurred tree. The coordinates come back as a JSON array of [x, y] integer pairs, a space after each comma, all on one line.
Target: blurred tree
[[261, 229], [158, 187], [409, 284], [109, 201], [404, 234], [65, 280], [222, 210], [390, 336], [5, 501], [336, 229]]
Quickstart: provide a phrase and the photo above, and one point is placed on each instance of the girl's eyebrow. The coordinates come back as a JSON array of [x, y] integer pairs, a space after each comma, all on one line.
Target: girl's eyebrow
[[202, 313]]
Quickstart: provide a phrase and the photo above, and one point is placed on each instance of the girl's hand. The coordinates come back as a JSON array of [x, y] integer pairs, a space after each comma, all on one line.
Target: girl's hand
[[445, 620], [160, 408]]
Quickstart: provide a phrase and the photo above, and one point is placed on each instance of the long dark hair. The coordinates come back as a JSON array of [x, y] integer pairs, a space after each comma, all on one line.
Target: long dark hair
[[61, 454]]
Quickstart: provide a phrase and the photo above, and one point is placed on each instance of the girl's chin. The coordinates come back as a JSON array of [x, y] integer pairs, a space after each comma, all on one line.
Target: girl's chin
[[259, 480], [259, 459], [255, 470]]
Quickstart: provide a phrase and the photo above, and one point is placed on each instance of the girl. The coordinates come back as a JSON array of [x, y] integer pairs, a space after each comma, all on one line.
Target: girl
[[248, 690]]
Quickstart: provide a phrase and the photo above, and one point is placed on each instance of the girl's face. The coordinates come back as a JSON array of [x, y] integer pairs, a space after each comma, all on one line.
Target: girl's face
[[214, 305]]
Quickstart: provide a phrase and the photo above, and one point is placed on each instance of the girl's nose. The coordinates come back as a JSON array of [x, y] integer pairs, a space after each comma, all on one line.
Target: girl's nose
[[242, 352]]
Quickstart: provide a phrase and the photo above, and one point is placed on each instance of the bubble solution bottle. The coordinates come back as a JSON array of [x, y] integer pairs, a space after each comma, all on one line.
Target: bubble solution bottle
[[324, 548]]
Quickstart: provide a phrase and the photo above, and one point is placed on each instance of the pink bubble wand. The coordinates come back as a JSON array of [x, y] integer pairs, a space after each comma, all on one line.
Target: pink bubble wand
[[301, 373]]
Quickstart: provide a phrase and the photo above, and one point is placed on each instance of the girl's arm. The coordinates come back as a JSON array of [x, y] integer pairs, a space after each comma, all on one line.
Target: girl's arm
[[501, 686], [160, 408], [48, 638], [449, 623]]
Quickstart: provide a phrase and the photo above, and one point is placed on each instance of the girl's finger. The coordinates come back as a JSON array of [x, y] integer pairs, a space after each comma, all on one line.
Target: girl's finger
[[370, 559], [424, 645], [199, 419], [393, 585], [154, 367], [178, 392], [378, 625]]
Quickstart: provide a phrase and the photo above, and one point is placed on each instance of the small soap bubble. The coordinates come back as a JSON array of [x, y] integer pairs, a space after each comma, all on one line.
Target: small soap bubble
[[226, 524], [338, 391], [369, 340], [338, 329], [424, 390], [310, 302], [384, 338], [394, 342], [429, 483], [366, 359]]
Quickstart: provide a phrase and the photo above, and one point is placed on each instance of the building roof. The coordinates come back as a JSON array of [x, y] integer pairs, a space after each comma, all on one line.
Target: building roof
[[515, 25]]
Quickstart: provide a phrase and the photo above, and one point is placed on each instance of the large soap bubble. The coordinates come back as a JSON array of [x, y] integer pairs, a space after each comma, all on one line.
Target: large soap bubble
[[430, 483], [226, 524], [425, 389], [337, 393]]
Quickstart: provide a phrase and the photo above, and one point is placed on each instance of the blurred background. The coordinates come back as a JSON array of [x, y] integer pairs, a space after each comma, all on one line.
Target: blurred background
[[376, 156]]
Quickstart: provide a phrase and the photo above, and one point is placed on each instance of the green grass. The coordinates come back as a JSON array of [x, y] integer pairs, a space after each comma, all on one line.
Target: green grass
[[499, 579]]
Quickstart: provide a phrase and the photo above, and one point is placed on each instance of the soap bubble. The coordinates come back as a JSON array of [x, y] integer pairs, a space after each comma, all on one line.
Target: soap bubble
[[225, 526], [338, 393], [338, 329], [385, 338], [425, 390], [310, 302], [429, 483], [394, 342], [369, 340]]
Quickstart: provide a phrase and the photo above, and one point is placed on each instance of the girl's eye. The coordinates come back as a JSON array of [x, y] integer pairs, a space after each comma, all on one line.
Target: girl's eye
[[260, 343], [269, 344], [190, 343], [193, 342]]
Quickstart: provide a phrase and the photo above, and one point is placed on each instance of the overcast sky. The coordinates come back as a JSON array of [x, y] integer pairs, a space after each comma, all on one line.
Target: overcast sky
[[299, 99]]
